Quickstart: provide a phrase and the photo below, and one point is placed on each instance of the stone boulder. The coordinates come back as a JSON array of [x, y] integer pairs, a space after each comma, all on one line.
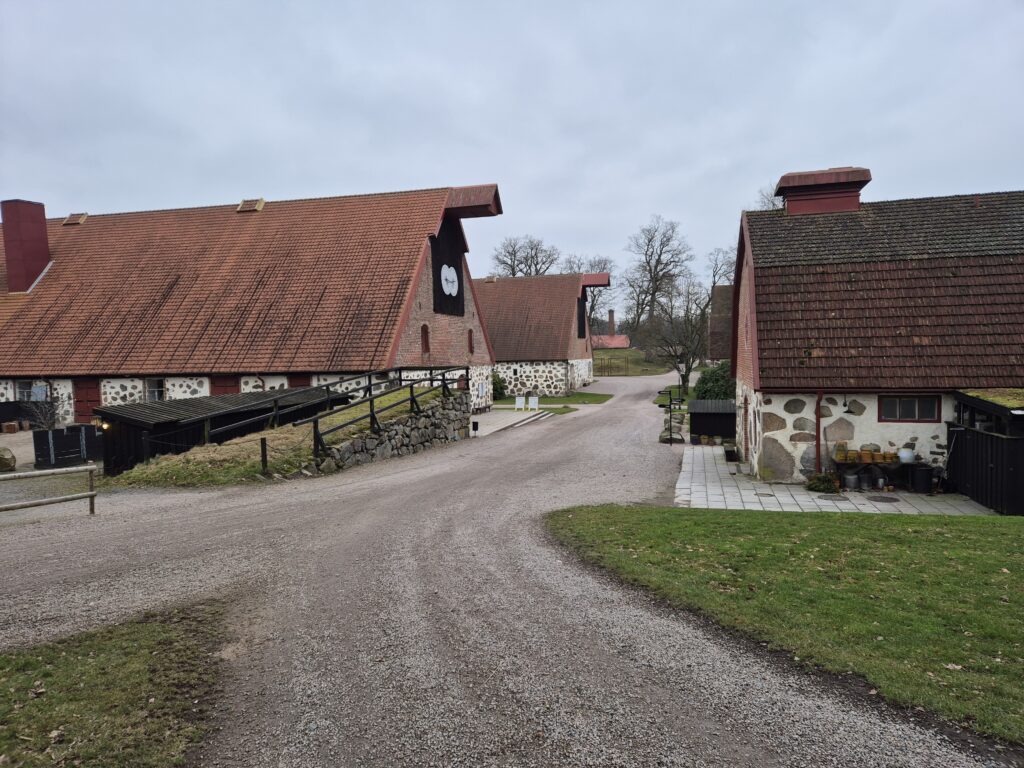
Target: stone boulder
[[775, 462], [771, 422], [794, 405], [7, 460]]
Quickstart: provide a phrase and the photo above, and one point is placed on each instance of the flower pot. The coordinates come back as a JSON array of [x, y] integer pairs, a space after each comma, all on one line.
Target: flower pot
[[703, 439], [718, 440], [694, 439]]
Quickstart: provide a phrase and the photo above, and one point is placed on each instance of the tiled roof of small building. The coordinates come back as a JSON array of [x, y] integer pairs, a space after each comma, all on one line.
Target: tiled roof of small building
[[908, 294], [530, 318], [962, 225], [616, 341], [297, 285]]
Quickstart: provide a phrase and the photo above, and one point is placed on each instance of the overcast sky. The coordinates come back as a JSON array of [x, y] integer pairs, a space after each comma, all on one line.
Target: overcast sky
[[589, 116]]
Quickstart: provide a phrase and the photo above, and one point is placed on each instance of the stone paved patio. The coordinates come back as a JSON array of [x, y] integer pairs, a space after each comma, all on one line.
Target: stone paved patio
[[707, 481]]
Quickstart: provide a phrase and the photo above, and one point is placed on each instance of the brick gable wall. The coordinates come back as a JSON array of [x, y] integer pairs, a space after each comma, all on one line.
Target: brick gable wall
[[745, 325], [449, 344]]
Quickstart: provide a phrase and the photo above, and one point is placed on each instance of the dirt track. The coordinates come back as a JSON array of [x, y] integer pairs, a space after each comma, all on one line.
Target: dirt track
[[414, 613]]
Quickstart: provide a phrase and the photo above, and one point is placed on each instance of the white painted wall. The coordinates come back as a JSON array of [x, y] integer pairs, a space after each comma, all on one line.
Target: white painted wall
[[581, 372], [7, 390], [121, 391]]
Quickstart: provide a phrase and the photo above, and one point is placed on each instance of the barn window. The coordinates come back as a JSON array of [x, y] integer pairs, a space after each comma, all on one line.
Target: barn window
[[155, 390], [913, 408], [27, 389], [425, 339], [469, 335]]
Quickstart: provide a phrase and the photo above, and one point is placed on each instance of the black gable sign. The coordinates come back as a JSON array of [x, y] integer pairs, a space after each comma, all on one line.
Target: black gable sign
[[446, 268]]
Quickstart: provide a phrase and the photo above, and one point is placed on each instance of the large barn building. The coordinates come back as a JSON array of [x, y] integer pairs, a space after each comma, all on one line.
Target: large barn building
[[128, 307]]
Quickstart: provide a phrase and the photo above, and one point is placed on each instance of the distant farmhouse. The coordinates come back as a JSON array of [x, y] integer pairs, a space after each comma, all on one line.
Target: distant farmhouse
[[866, 322], [611, 340], [128, 307], [538, 326]]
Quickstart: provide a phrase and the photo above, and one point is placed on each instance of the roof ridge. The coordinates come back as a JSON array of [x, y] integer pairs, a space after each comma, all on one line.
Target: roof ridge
[[866, 204], [233, 206]]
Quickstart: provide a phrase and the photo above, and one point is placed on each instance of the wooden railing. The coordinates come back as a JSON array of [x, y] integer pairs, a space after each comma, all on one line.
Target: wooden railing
[[90, 494], [414, 383]]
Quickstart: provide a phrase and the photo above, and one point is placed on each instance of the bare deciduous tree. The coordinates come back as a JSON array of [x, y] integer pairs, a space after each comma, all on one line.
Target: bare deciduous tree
[[572, 264], [767, 201], [678, 333], [523, 255], [661, 255]]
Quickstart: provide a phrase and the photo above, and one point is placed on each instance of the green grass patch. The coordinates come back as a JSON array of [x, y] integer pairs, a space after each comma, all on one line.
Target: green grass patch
[[561, 409], [929, 610], [575, 398], [238, 461], [625, 362], [132, 695], [677, 391]]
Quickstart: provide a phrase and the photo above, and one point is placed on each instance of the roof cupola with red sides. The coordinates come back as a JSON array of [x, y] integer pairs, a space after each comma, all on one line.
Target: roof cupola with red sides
[[835, 190], [26, 245]]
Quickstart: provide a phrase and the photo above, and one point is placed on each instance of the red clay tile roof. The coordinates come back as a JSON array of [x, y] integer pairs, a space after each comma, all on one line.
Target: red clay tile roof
[[530, 318], [617, 341], [300, 286], [909, 294]]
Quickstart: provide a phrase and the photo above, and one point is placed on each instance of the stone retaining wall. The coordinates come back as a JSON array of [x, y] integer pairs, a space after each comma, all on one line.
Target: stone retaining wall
[[443, 420]]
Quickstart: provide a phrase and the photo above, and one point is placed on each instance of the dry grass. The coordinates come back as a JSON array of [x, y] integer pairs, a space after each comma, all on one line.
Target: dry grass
[[238, 461]]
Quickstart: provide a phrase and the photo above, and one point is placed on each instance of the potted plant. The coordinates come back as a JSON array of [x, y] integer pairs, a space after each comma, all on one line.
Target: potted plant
[[694, 439], [718, 439], [704, 439]]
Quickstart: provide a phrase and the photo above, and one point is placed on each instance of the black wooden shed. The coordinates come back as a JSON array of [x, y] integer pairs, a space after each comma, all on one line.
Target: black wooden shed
[[136, 432], [986, 448], [714, 418]]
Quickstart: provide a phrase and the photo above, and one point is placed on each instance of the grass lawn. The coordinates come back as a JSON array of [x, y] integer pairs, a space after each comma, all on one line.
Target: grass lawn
[[238, 460], [929, 610], [625, 362], [132, 695], [576, 398], [676, 390]]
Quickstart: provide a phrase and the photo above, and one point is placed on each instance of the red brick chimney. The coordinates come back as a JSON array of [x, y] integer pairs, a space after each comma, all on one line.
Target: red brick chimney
[[26, 246], [611, 322], [830, 191]]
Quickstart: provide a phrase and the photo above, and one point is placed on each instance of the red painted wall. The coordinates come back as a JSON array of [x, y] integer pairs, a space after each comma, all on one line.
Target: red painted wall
[[87, 396]]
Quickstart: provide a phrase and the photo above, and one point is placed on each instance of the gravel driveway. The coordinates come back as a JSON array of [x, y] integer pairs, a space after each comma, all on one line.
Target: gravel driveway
[[414, 613]]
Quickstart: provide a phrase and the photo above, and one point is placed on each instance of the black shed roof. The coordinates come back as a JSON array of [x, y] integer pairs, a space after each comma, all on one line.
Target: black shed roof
[[199, 408], [711, 406]]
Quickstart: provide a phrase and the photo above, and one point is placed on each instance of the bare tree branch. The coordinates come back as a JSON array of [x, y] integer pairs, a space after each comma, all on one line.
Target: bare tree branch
[[767, 201], [523, 255], [661, 255]]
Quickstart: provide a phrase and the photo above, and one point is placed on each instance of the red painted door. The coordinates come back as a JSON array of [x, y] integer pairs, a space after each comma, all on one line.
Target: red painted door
[[225, 385], [296, 380], [87, 397]]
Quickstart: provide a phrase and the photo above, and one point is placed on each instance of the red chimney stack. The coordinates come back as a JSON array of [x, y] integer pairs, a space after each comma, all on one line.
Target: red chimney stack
[[26, 246], [834, 190], [611, 322]]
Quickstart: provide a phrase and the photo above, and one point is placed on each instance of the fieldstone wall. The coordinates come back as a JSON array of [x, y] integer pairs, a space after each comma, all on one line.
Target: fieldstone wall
[[263, 383], [121, 391], [581, 373], [547, 379], [6, 390], [783, 446], [481, 386], [443, 420], [181, 387]]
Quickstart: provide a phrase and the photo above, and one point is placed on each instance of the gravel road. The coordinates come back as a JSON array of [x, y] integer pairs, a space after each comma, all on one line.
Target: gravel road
[[414, 613]]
